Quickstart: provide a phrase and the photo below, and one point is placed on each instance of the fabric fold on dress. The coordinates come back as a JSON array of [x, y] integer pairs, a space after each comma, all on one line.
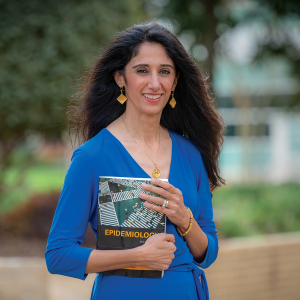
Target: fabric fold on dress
[[199, 278], [201, 284]]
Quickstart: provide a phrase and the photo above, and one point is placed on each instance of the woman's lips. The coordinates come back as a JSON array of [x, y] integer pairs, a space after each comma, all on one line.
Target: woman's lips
[[152, 100]]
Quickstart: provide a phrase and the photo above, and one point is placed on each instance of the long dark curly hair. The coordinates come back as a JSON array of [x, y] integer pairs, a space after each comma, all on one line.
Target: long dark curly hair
[[194, 116]]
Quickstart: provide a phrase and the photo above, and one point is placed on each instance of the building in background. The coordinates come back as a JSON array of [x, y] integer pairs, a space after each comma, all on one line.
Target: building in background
[[262, 142]]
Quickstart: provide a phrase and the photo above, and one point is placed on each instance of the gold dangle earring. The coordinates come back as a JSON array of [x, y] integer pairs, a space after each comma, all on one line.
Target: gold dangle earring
[[172, 101], [122, 98]]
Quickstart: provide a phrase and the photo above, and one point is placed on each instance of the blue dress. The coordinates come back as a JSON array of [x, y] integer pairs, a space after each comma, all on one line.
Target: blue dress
[[104, 155]]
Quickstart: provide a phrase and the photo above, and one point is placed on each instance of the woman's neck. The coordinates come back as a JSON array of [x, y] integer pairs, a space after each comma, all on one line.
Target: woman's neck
[[144, 128]]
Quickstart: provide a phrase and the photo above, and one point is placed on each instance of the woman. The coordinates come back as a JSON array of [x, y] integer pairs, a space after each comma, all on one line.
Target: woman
[[130, 130]]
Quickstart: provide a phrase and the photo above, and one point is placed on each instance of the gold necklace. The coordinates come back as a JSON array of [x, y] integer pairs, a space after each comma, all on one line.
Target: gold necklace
[[156, 171]]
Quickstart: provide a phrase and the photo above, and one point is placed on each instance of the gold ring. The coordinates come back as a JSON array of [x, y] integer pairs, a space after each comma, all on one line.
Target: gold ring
[[167, 203]]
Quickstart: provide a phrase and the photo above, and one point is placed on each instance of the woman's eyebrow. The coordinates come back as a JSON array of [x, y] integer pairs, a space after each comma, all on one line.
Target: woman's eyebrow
[[146, 65]]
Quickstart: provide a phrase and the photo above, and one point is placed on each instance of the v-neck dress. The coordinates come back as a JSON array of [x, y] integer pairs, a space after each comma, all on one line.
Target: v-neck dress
[[104, 155]]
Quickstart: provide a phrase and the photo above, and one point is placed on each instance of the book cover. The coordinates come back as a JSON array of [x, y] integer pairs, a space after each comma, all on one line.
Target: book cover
[[124, 222]]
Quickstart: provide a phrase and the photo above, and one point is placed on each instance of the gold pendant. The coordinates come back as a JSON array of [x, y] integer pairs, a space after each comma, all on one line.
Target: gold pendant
[[156, 173]]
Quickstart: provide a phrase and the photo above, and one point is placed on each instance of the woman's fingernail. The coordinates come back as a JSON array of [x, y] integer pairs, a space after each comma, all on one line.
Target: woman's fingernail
[[144, 185], [153, 180]]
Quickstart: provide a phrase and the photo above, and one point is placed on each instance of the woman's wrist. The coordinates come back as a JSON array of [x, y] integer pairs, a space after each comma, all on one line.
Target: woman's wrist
[[139, 255], [187, 219]]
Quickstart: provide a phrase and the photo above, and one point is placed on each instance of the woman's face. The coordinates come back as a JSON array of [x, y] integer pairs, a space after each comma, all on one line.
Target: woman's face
[[149, 79]]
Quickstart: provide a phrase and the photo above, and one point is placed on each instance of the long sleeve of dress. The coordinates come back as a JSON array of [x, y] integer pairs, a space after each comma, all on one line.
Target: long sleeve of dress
[[64, 255], [205, 218]]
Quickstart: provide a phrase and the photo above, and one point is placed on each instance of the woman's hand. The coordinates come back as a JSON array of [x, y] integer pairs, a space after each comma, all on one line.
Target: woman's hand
[[176, 210], [158, 251], [177, 213], [157, 254]]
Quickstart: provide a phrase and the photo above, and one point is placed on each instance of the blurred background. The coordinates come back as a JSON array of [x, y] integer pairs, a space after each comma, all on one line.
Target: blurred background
[[250, 52]]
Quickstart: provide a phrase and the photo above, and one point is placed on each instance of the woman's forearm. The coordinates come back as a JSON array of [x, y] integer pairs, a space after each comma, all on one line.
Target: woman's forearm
[[196, 240], [105, 260]]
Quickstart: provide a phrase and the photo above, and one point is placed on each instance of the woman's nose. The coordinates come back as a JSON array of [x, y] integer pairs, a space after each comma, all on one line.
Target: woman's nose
[[154, 82]]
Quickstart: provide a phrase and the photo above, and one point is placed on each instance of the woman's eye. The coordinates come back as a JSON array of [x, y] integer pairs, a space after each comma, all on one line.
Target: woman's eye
[[141, 71], [165, 71]]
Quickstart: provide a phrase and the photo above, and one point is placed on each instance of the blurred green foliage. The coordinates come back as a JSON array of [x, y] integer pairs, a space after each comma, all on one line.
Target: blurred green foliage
[[245, 210], [43, 44]]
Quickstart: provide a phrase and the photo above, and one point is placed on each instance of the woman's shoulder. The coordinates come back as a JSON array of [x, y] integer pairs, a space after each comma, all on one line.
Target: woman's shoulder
[[189, 152], [93, 146], [185, 143]]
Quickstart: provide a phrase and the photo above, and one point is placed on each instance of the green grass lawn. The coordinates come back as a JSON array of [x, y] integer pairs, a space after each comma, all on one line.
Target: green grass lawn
[[39, 178], [244, 210], [239, 210], [45, 178]]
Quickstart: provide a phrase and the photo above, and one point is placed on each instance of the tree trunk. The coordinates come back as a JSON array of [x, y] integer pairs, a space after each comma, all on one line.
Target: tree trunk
[[210, 35]]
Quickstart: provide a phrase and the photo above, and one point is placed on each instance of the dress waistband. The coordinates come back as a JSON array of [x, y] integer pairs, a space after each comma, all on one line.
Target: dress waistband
[[199, 278], [198, 274]]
